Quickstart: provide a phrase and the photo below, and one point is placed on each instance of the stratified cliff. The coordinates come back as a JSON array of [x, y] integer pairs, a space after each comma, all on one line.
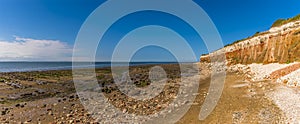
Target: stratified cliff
[[279, 44]]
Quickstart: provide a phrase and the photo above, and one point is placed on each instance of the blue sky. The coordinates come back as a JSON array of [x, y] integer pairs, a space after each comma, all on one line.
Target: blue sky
[[56, 23]]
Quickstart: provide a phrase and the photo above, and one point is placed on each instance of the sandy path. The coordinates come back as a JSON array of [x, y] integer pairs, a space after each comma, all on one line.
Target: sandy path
[[241, 102]]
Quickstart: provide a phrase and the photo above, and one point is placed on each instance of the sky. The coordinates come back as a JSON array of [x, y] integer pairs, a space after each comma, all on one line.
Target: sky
[[46, 30]]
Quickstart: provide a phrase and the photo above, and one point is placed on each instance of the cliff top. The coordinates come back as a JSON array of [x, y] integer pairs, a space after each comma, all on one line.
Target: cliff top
[[281, 22]]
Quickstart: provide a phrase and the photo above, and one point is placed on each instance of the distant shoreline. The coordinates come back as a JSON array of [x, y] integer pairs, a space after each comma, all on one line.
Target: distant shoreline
[[11, 67]]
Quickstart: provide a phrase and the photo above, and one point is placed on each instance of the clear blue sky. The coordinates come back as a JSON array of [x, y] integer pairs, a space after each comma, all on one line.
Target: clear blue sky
[[60, 20]]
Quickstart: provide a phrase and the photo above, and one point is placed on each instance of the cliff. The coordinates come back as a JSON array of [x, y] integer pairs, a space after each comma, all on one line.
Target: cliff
[[279, 44]]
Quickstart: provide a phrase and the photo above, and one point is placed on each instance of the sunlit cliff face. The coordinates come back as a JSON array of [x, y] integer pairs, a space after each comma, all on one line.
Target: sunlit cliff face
[[279, 44]]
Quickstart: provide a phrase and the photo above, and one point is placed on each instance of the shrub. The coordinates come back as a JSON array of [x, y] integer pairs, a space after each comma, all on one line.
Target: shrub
[[280, 22]]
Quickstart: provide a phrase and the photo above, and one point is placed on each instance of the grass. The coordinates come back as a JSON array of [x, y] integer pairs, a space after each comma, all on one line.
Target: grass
[[107, 90], [281, 22], [2, 80], [236, 59], [100, 76], [255, 35], [277, 23], [143, 84]]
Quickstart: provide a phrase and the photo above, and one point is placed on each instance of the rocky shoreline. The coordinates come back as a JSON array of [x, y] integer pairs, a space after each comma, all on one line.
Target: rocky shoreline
[[50, 97]]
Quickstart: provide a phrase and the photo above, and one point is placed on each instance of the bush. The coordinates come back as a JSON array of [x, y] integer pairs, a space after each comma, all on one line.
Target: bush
[[288, 62], [280, 22]]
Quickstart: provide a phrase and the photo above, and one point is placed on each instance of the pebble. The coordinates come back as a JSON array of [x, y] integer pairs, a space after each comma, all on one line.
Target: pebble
[[50, 113], [69, 115], [18, 105], [3, 112], [124, 110]]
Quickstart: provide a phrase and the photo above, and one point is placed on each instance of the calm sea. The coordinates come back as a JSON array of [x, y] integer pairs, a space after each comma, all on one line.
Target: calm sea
[[43, 66]]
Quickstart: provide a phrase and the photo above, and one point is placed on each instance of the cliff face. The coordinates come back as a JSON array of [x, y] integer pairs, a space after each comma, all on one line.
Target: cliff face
[[279, 44]]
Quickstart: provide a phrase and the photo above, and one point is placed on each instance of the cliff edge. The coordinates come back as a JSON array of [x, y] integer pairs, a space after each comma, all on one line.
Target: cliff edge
[[280, 44]]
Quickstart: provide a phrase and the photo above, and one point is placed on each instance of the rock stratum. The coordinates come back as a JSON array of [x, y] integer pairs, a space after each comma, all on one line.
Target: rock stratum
[[273, 54], [280, 44], [270, 58]]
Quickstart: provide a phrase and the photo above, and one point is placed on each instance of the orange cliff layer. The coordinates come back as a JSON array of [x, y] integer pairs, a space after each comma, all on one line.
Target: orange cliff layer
[[279, 44]]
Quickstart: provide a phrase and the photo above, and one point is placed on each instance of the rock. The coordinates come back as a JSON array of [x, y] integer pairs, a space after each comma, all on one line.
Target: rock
[[87, 114], [28, 121], [237, 116], [40, 91], [2, 100], [195, 103], [134, 106], [18, 105], [72, 97], [69, 115], [14, 85], [124, 110], [44, 106], [195, 94], [2, 80], [27, 94], [43, 82], [3, 112], [158, 106]]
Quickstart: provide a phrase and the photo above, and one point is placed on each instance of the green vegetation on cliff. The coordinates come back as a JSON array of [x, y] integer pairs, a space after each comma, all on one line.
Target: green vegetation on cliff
[[283, 47], [280, 22], [277, 23]]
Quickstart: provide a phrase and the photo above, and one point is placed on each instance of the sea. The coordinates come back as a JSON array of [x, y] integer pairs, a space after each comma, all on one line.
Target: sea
[[44, 66]]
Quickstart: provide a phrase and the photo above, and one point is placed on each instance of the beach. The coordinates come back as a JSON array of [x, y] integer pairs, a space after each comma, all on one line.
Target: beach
[[50, 97]]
